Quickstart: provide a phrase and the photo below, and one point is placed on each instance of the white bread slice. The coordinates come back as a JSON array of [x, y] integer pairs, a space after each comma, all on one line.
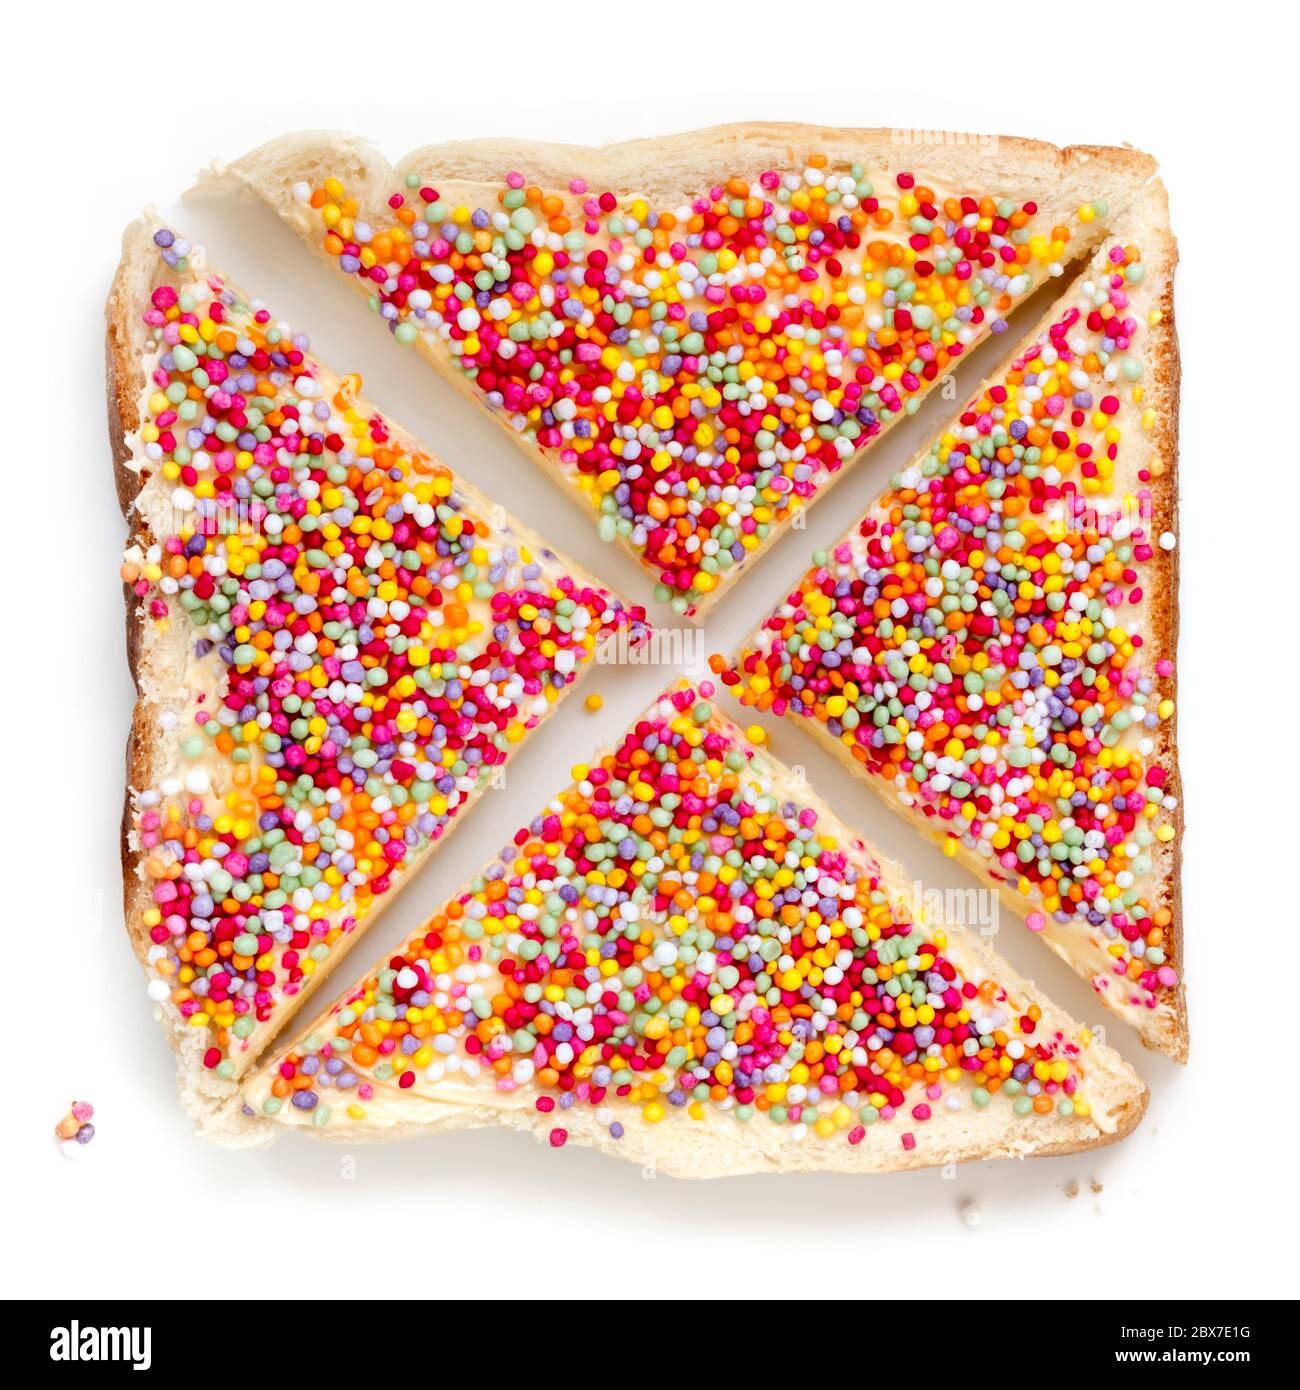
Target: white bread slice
[[439, 1084], [1141, 378], [175, 681], [807, 442]]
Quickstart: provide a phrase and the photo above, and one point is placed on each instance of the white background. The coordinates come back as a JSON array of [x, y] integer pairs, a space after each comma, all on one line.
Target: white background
[[105, 113]]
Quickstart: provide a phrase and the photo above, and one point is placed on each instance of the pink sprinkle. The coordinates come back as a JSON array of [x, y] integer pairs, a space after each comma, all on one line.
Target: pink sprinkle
[[1035, 921]]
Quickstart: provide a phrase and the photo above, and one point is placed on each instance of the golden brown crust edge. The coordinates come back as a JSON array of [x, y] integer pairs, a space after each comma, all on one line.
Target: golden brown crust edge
[[124, 352], [1166, 617]]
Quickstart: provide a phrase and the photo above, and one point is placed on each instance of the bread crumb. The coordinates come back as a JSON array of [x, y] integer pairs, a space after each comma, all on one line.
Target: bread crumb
[[1072, 1188], [970, 1213], [1095, 1186]]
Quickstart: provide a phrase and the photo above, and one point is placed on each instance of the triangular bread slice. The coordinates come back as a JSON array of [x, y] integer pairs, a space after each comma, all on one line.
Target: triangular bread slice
[[1017, 703], [687, 960], [336, 644], [695, 335]]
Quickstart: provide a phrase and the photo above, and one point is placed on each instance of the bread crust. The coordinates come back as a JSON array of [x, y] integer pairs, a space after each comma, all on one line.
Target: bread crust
[[212, 1102], [672, 170], [686, 164], [743, 1152], [1165, 607], [719, 1146]]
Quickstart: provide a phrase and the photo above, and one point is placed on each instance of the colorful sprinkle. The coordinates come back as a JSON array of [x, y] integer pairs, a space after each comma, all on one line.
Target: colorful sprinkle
[[75, 1130], [676, 934], [368, 642], [976, 644], [697, 374]]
